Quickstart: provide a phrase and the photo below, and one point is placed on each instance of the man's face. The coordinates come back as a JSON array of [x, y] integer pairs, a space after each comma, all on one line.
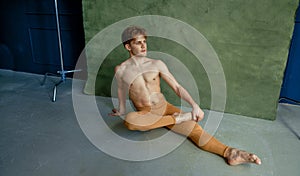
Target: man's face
[[138, 46]]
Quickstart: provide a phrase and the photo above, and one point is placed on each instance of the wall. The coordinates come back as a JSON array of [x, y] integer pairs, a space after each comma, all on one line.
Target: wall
[[291, 84], [28, 38], [250, 38]]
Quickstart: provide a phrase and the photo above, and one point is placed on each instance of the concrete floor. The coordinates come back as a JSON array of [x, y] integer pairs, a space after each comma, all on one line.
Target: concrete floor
[[39, 137]]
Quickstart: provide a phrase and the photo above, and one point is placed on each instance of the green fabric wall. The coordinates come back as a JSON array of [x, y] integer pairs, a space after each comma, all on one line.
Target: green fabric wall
[[251, 39]]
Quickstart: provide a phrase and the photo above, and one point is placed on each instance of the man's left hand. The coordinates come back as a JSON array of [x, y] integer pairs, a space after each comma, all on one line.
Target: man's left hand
[[197, 113]]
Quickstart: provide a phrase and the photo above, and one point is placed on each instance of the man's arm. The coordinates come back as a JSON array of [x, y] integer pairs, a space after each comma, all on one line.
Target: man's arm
[[121, 96], [180, 91]]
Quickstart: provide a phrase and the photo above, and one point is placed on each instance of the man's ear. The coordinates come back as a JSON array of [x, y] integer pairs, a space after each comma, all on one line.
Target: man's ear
[[127, 46]]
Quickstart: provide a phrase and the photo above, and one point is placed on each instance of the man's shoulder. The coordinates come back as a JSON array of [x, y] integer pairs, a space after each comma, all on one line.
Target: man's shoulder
[[156, 61], [160, 65], [121, 66]]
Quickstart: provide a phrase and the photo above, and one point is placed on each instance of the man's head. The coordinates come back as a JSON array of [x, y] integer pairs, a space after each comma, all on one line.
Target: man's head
[[134, 40], [131, 32]]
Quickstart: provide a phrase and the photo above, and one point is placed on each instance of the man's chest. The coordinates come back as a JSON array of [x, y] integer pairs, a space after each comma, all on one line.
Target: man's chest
[[140, 75]]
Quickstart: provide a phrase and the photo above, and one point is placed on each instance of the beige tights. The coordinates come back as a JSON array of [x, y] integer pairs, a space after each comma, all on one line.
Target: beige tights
[[161, 115]]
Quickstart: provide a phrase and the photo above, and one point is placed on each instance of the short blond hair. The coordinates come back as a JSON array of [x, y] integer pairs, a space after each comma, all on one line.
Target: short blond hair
[[131, 31]]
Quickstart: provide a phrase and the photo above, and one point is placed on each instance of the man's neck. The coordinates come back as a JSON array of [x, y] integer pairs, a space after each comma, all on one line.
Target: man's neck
[[137, 60]]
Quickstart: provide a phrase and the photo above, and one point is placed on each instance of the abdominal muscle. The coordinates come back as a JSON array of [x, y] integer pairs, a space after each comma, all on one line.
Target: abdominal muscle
[[143, 83], [145, 94]]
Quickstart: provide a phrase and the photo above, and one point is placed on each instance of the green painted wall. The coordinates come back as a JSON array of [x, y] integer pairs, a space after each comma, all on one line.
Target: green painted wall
[[251, 39]]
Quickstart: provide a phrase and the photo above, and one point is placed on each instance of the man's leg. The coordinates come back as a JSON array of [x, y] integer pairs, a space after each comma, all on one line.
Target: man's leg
[[209, 143], [145, 120], [148, 119], [197, 135]]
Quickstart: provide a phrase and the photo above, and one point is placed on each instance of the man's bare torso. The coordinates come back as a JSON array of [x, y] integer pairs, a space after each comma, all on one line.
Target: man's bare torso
[[142, 79]]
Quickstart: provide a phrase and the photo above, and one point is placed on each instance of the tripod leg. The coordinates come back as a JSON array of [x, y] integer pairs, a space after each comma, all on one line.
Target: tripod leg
[[46, 76], [44, 80], [55, 90], [54, 94]]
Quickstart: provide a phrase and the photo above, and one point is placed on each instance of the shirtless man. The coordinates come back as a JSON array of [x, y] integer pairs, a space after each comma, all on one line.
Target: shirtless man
[[140, 77]]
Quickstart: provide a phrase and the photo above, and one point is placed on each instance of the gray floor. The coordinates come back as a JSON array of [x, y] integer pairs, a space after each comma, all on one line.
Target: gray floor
[[39, 137]]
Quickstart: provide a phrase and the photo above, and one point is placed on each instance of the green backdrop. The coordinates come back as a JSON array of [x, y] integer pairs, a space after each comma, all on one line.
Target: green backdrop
[[251, 39]]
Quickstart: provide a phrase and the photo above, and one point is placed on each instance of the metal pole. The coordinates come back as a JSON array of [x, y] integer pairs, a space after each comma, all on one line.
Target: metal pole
[[62, 72], [59, 38]]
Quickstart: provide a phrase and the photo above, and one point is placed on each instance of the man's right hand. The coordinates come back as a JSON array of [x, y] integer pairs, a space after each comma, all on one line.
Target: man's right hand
[[115, 112]]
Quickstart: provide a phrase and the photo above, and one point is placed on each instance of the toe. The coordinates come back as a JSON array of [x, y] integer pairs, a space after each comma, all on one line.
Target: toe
[[258, 161], [255, 159]]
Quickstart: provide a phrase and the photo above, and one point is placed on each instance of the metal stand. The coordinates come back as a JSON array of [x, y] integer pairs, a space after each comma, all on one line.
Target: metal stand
[[62, 72]]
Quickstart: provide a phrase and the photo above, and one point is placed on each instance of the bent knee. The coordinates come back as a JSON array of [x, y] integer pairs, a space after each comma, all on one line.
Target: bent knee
[[129, 126], [133, 127], [131, 115], [131, 122], [130, 118]]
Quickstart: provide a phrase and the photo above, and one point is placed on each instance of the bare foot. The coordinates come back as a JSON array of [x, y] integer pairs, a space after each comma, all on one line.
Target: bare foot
[[181, 117], [236, 157]]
